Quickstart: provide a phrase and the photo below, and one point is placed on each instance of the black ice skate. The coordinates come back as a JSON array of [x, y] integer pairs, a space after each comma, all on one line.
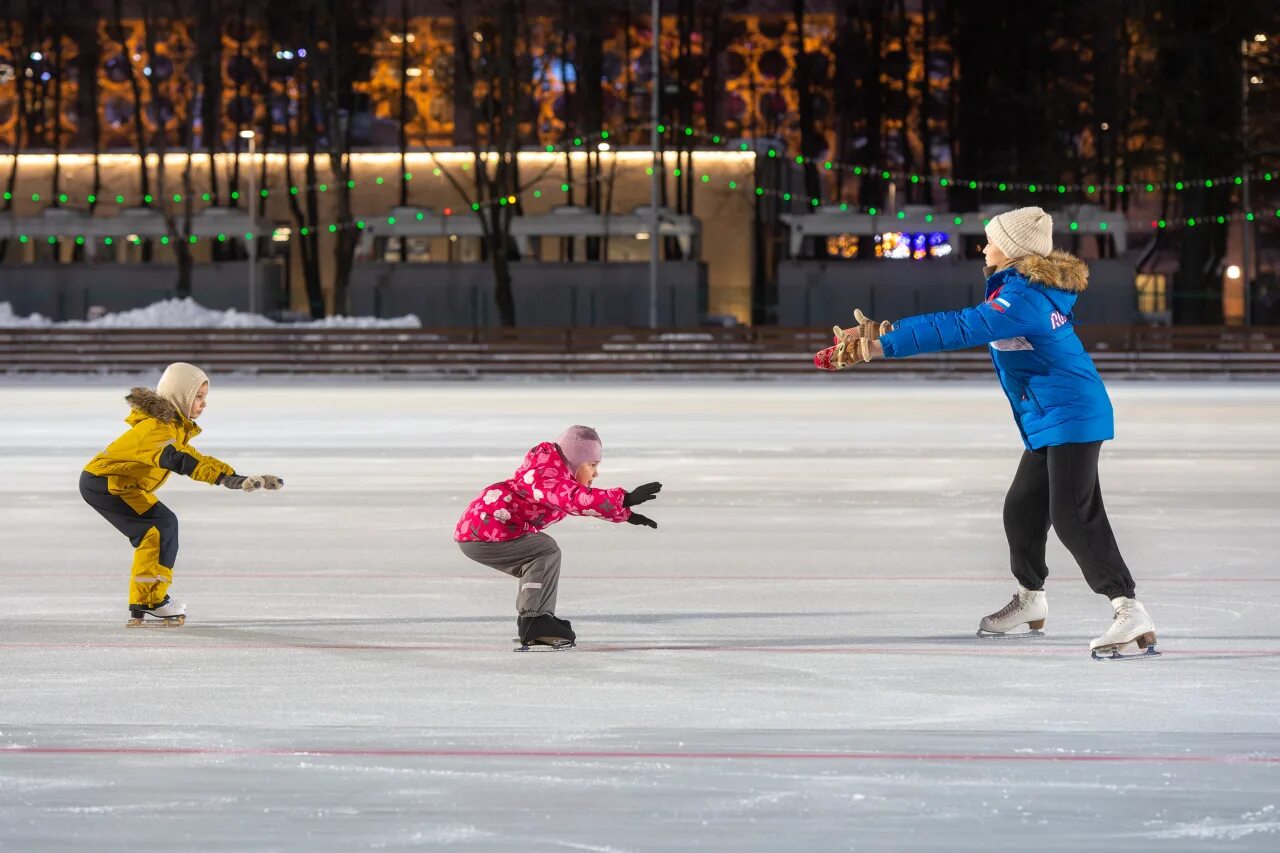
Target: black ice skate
[[166, 614], [544, 633]]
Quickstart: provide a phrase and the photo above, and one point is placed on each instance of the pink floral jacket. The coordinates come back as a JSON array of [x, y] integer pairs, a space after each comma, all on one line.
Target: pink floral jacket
[[540, 493]]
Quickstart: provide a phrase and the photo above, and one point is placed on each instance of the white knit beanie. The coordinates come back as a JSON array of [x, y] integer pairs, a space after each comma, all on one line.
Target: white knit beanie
[[180, 384], [1021, 232]]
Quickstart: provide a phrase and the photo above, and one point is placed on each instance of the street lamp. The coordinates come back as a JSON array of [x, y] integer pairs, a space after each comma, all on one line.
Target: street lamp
[[1247, 239], [253, 220], [655, 116]]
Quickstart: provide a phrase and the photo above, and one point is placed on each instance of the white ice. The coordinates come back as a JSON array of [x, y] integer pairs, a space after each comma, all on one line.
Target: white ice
[[788, 663]]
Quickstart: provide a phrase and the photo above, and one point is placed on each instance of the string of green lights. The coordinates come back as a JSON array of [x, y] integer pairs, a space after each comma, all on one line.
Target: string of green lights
[[888, 175], [884, 221]]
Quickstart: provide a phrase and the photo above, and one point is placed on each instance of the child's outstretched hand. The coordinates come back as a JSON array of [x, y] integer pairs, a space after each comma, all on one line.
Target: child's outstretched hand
[[270, 482], [640, 494], [643, 520], [244, 484]]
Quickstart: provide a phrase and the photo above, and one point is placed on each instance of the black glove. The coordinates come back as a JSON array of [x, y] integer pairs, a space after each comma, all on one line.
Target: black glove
[[637, 518], [640, 494]]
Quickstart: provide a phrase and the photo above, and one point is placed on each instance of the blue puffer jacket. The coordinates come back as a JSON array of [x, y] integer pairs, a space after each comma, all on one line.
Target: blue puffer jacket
[[1056, 392]]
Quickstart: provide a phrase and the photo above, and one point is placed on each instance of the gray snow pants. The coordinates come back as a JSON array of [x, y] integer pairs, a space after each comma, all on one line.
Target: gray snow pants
[[535, 560]]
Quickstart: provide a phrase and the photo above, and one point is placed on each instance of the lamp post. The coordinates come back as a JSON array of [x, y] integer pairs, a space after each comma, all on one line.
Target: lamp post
[[1246, 224], [1244, 196], [655, 116], [253, 220]]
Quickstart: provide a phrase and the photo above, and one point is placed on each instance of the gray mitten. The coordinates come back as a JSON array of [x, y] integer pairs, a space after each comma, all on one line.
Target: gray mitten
[[272, 483], [247, 484]]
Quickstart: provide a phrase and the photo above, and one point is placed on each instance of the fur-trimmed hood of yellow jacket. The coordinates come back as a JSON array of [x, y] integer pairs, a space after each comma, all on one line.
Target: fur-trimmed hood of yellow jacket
[[1059, 270], [152, 405]]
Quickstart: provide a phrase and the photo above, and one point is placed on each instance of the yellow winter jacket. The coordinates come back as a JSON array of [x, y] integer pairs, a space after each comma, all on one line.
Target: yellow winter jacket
[[156, 445]]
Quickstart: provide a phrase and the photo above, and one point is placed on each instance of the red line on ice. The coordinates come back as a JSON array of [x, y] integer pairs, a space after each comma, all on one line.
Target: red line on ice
[[645, 756]]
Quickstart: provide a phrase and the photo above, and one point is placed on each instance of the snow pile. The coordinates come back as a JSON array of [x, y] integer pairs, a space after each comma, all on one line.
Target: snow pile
[[189, 314], [176, 314], [10, 320], [341, 321]]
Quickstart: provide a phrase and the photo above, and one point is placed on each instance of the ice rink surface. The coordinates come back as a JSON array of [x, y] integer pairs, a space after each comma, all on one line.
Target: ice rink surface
[[788, 663]]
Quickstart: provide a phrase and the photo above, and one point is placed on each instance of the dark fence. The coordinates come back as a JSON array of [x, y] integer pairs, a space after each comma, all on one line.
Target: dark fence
[[1138, 351]]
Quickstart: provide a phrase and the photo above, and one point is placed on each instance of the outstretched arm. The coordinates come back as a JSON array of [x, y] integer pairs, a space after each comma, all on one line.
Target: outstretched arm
[[568, 495], [996, 319], [163, 450]]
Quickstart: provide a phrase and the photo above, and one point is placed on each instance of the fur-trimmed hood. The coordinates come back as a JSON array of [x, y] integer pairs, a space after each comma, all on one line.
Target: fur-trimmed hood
[[1059, 270], [151, 405]]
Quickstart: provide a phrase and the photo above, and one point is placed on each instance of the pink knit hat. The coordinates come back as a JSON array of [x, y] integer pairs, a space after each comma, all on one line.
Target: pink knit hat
[[580, 444]]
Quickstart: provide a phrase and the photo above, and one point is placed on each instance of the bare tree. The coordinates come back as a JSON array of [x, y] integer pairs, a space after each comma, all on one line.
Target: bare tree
[[174, 91], [493, 68], [295, 24], [118, 32], [16, 41], [346, 60], [330, 42], [810, 142], [57, 63]]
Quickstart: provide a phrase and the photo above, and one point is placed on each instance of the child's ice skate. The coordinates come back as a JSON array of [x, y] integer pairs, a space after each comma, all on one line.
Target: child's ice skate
[[1131, 635], [544, 633], [166, 614], [1027, 607]]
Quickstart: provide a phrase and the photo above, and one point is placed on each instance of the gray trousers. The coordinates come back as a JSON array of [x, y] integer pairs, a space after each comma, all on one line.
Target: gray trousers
[[535, 560]]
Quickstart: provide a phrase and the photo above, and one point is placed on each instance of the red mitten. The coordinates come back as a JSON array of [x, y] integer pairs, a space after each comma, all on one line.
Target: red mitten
[[825, 360], [848, 350]]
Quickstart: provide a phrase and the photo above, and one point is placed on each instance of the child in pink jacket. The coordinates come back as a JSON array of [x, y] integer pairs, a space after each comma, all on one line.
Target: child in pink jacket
[[502, 529]]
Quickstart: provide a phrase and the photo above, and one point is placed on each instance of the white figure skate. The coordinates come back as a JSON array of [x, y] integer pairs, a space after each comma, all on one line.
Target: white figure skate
[[166, 614], [1027, 607], [1131, 635]]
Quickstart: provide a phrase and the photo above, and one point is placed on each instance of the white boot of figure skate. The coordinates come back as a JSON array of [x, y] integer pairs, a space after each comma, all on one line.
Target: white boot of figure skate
[[1028, 607], [1131, 635], [168, 613]]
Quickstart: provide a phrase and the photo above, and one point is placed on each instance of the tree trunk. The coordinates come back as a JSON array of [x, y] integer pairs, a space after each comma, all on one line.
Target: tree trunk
[[14, 43], [403, 134], [310, 240], [56, 189], [139, 128], [506, 135], [871, 193], [810, 144], [926, 111], [590, 66], [339, 138]]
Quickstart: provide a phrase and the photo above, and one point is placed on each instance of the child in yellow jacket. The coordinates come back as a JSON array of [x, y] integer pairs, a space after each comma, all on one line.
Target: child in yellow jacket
[[121, 481]]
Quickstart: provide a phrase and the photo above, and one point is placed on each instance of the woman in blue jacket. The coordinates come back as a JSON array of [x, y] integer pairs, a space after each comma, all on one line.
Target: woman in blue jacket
[[1060, 407]]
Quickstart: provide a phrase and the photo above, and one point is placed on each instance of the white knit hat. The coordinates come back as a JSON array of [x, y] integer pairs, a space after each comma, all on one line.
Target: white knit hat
[[180, 384], [1025, 231]]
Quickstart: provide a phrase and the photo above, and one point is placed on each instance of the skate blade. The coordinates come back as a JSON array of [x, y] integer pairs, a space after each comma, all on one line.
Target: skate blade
[[1111, 653], [156, 622], [1019, 635], [558, 646]]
